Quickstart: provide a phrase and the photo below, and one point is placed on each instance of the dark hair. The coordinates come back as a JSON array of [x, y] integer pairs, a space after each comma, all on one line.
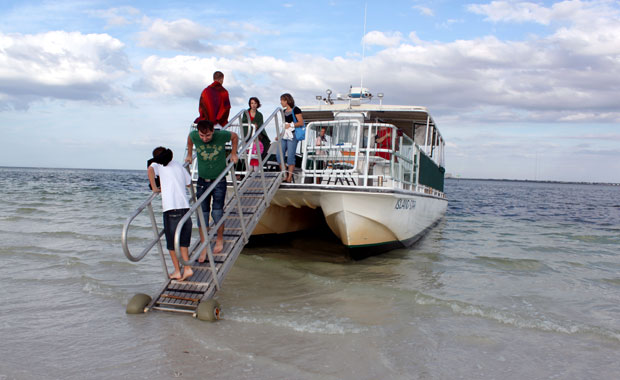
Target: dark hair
[[218, 75], [256, 100], [162, 155], [205, 126], [289, 99]]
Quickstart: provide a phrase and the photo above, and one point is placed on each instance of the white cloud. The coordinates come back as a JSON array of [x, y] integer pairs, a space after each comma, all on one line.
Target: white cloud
[[59, 65], [188, 36], [513, 11], [575, 11], [183, 35], [177, 76], [558, 78], [413, 36], [383, 39], [426, 11], [120, 16], [187, 75]]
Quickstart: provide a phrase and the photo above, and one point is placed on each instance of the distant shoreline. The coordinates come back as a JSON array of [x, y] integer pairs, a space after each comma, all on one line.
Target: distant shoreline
[[447, 178], [48, 168], [535, 181]]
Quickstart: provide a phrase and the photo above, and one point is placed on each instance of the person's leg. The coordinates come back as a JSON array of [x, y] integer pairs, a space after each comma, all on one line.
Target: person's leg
[[169, 226], [290, 158], [202, 186], [219, 197], [285, 146], [187, 270], [176, 275], [184, 241]]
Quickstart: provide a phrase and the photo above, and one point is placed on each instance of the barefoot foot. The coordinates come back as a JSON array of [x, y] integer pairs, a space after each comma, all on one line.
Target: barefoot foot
[[219, 246], [175, 276], [187, 273]]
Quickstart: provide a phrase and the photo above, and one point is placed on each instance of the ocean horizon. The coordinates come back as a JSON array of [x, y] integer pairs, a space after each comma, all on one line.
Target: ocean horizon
[[447, 177]]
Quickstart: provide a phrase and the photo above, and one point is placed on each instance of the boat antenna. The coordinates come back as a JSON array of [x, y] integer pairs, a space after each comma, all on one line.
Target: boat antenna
[[363, 51]]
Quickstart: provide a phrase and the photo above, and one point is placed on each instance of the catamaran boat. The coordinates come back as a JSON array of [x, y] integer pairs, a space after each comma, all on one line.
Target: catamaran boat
[[375, 175]]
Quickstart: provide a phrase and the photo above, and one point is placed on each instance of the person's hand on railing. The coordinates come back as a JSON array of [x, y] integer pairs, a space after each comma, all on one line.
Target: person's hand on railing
[[188, 159], [234, 157]]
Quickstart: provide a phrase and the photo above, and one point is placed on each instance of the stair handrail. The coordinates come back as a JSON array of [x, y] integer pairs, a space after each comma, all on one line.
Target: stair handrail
[[229, 168], [125, 232]]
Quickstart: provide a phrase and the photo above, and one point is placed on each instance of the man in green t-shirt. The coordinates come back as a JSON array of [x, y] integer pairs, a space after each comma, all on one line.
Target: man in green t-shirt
[[211, 153]]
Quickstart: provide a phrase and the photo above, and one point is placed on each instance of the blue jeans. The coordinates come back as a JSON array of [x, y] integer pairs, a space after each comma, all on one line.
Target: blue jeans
[[288, 149], [219, 196]]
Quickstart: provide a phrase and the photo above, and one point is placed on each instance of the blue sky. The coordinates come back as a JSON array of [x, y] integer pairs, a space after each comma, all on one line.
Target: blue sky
[[520, 90]]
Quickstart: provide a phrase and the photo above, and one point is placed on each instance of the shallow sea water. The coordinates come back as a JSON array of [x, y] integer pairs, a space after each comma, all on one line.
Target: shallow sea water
[[518, 281]]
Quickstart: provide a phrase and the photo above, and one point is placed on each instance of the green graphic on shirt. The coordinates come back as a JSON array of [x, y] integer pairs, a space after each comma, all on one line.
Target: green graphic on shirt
[[212, 155], [207, 154]]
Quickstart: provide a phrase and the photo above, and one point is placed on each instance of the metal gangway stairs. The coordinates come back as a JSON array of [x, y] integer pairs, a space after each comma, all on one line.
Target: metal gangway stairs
[[246, 201]]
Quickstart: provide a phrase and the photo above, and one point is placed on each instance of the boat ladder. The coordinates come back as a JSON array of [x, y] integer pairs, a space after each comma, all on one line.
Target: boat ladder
[[244, 207]]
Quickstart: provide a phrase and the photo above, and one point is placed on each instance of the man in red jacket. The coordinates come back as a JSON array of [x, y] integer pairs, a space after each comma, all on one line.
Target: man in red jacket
[[214, 102]]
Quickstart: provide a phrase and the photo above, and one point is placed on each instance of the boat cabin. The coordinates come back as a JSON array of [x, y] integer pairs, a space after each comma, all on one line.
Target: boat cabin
[[372, 145]]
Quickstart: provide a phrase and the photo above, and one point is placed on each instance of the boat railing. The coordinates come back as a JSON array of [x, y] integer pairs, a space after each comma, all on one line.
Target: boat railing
[[350, 156]]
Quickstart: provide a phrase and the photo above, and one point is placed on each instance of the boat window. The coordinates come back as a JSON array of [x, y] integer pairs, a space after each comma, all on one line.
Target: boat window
[[346, 133]]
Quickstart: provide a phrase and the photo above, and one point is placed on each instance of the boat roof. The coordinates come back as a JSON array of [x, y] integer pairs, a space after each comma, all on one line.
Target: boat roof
[[410, 119]]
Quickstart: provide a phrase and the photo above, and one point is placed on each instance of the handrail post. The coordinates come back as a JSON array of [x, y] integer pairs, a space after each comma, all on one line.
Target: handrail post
[[238, 202], [125, 232], [216, 278], [366, 172], [261, 170], [417, 167], [156, 233]]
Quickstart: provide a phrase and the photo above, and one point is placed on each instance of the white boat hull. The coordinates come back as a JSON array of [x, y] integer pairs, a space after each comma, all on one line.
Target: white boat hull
[[360, 219]]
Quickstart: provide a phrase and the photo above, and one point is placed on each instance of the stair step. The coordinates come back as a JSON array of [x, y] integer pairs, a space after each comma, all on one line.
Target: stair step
[[180, 298]]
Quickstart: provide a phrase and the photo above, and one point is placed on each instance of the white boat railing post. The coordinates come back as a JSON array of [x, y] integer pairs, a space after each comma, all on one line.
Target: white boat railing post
[[360, 131], [367, 167], [401, 176], [392, 156], [426, 136], [304, 153], [417, 169], [413, 164]]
